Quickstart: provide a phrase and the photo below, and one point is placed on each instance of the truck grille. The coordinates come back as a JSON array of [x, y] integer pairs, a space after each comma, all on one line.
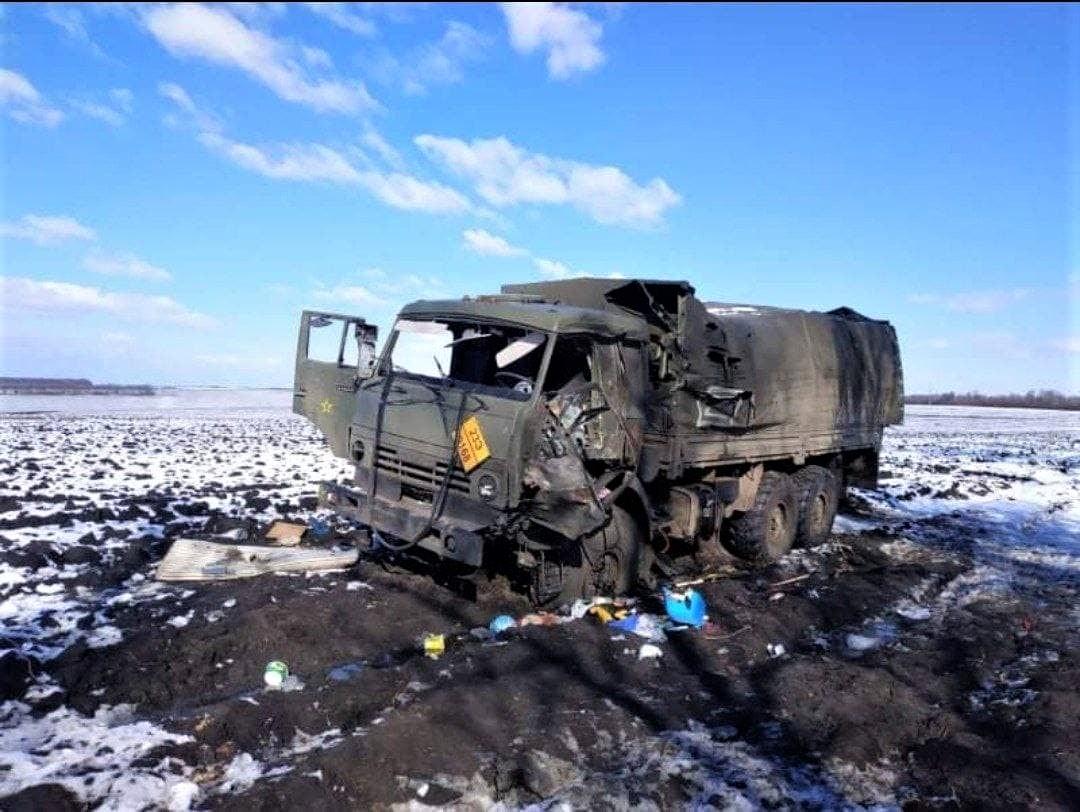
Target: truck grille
[[417, 474]]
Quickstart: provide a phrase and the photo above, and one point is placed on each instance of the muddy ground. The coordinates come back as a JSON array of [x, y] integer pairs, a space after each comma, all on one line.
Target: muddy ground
[[895, 673], [569, 711]]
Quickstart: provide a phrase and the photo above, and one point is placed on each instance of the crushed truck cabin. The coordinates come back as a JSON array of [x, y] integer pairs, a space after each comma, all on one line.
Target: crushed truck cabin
[[583, 434]]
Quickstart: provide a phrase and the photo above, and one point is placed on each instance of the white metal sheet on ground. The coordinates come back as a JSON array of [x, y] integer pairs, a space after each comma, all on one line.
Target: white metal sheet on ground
[[199, 560]]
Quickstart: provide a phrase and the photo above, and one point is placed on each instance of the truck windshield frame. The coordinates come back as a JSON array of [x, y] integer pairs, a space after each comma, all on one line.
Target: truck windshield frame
[[469, 348]]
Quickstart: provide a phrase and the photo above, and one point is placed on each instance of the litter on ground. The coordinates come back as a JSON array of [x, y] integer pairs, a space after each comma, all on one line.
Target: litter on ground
[[200, 560]]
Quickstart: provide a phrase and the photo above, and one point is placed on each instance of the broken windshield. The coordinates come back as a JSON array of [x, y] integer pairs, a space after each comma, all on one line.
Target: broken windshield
[[503, 359]]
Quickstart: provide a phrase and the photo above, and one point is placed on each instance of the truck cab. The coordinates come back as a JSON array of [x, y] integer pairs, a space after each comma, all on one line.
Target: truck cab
[[495, 426]]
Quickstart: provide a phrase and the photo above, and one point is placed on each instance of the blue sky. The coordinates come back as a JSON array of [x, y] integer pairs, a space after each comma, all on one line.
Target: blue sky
[[178, 182]]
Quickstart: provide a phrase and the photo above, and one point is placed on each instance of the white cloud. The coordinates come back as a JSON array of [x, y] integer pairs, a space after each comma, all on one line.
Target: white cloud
[[316, 57], [317, 162], [485, 243], [114, 113], [21, 294], [375, 289], [349, 294], [340, 15], [504, 174], [258, 12], [302, 162], [200, 118], [374, 141], [122, 98], [320, 163], [213, 34], [570, 36], [553, 268], [117, 342], [124, 264], [978, 301], [24, 103], [412, 194], [1069, 345], [401, 284], [68, 17], [102, 112], [438, 63], [45, 229]]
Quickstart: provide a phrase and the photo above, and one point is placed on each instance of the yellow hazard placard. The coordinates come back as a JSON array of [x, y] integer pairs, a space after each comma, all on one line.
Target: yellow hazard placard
[[472, 448]]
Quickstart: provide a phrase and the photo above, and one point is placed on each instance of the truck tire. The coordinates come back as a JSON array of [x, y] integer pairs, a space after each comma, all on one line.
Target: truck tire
[[766, 531], [557, 583], [612, 559], [613, 555], [819, 497]]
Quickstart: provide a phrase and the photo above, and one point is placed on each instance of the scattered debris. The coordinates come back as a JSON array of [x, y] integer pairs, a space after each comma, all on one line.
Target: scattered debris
[[501, 623], [686, 608], [344, 673], [275, 674], [285, 534], [649, 651], [319, 528], [434, 645], [794, 580], [199, 560], [542, 619], [643, 625], [776, 649]]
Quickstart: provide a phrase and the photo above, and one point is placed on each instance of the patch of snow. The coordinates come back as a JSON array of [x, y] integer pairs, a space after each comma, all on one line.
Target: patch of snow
[[92, 756], [180, 621]]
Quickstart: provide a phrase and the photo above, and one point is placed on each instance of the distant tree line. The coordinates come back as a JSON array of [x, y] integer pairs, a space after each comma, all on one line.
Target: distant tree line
[[1042, 399], [69, 386]]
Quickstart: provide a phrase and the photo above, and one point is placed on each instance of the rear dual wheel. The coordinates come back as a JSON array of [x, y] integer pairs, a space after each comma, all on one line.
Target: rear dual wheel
[[819, 497], [787, 510], [766, 531]]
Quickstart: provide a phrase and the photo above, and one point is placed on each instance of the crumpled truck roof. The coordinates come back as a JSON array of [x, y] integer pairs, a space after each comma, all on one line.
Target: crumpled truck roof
[[543, 316]]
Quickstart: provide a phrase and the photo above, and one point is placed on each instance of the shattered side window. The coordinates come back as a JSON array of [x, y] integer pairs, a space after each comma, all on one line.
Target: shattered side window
[[571, 364]]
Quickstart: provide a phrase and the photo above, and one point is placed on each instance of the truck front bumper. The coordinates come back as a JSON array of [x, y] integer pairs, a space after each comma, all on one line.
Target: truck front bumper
[[401, 520]]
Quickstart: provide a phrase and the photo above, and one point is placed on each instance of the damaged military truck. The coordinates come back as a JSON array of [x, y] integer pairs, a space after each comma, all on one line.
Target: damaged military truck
[[588, 433]]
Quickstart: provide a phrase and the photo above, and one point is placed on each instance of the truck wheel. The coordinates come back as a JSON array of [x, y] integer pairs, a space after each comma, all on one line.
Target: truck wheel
[[612, 559], [557, 583], [766, 531], [613, 555], [818, 500]]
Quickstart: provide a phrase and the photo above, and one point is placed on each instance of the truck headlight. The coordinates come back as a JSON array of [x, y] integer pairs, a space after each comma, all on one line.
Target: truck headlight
[[487, 487]]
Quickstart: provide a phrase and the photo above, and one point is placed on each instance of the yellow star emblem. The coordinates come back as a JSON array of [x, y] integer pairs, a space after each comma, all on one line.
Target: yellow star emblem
[[326, 406]]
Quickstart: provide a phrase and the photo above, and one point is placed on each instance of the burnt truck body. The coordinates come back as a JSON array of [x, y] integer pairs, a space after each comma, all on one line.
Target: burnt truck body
[[582, 431]]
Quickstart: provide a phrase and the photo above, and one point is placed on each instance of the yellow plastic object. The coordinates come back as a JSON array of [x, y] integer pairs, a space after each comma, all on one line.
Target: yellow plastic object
[[602, 613], [434, 645]]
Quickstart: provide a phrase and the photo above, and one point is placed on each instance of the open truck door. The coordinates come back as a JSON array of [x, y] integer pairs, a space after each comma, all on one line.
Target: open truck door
[[334, 353]]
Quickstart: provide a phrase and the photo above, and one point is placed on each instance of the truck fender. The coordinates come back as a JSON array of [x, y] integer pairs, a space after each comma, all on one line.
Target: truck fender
[[631, 496], [747, 490]]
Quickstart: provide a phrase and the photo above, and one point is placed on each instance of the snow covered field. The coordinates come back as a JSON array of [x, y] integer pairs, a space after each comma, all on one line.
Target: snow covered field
[[93, 488]]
